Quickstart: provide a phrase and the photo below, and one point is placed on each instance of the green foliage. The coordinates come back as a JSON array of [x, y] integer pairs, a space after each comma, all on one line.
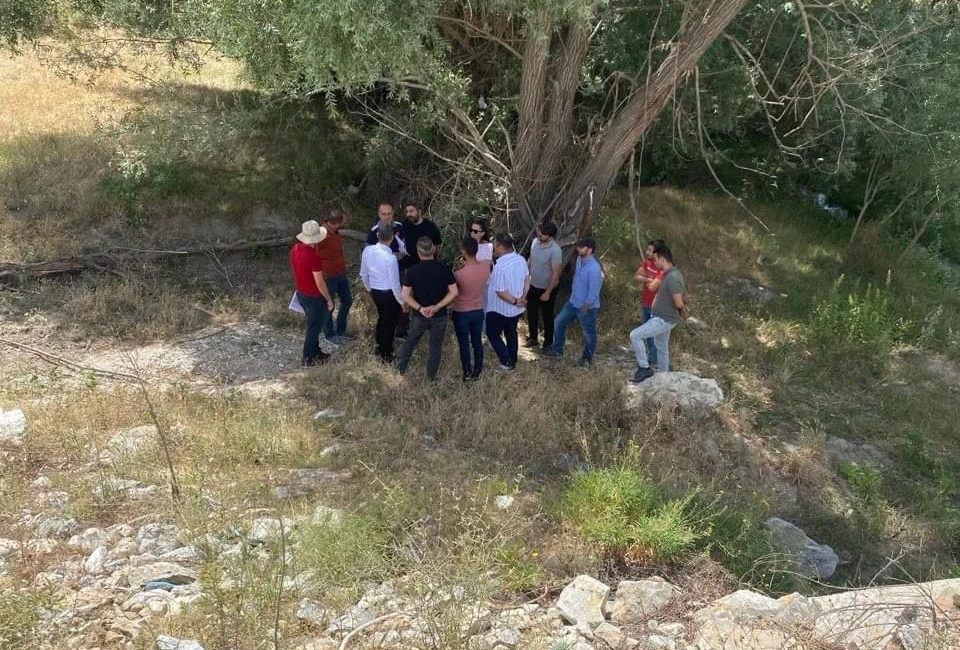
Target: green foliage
[[19, 615], [23, 19], [856, 319], [739, 540], [916, 454]]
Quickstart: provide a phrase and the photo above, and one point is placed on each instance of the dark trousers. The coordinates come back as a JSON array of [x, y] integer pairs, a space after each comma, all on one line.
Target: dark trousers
[[537, 308], [437, 326], [388, 313], [315, 310], [648, 343], [468, 326], [502, 334], [339, 287]]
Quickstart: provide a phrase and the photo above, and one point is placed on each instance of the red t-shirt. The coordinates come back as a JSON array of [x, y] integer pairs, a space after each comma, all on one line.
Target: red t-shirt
[[652, 272], [304, 260], [331, 254]]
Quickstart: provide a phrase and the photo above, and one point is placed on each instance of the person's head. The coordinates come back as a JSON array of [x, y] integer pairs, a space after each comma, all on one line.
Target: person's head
[[311, 233], [662, 256], [412, 212], [652, 246], [469, 248], [502, 244], [586, 246], [480, 230], [385, 212], [335, 219], [425, 248], [546, 231], [385, 234]]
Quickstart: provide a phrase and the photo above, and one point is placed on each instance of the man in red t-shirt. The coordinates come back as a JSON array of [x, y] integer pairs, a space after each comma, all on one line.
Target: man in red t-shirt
[[335, 274], [312, 292], [649, 275]]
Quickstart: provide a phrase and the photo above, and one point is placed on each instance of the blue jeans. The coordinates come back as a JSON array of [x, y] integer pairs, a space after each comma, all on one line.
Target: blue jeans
[[315, 311], [651, 348], [659, 330], [502, 334], [588, 324], [468, 326], [339, 287]]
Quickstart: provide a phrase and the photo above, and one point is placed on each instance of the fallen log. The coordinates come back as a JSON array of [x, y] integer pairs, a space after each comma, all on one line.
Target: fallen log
[[110, 261]]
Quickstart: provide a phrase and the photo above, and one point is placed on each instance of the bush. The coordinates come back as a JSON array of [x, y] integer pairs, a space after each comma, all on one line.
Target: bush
[[19, 615], [856, 319], [624, 512]]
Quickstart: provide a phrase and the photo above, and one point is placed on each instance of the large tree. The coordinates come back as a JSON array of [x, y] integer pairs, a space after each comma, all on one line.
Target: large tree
[[547, 99]]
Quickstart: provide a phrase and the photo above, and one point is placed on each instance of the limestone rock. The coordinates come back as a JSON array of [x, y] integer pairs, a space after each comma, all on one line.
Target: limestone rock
[[130, 441], [613, 636], [160, 572], [638, 600], [746, 620], [689, 392], [268, 528], [808, 558], [583, 600], [305, 481], [506, 636], [165, 642], [158, 538], [313, 612], [13, 425], [657, 642], [841, 450], [94, 564]]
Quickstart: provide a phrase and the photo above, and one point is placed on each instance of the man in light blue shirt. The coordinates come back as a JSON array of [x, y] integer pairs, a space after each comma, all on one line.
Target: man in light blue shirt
[[583, 305]]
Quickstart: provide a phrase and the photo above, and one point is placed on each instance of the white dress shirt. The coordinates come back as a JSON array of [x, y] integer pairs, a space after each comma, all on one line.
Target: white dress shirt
[[509, 274], [380, 271]]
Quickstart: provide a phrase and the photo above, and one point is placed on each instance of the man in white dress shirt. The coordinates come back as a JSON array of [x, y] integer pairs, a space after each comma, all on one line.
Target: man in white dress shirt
[[506, 300], [380, 274]]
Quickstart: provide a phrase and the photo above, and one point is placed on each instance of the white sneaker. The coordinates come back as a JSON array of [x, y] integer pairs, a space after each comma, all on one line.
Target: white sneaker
[[328, 346]]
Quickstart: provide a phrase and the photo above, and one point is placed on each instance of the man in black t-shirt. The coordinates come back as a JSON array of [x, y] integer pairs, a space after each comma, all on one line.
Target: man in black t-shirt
[[415, 227], [428, 287]]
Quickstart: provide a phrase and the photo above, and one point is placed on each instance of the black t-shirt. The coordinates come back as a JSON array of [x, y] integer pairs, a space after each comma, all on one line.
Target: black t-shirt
[[429, 281], [413, 233]]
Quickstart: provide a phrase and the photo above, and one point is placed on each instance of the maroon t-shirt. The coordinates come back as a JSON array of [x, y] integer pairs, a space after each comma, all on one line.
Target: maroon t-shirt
[[304, 260]]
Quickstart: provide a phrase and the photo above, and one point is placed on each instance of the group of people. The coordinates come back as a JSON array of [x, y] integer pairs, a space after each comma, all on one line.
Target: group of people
[[415, 293]]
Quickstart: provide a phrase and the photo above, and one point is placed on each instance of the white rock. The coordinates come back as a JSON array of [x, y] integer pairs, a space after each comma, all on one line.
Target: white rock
[[130, 441], [189, 555], [8, 547], [158, 538], [808, 558], [638, 600], [165, 642], [89, 539], [612, 635], [327, 515], [689, 392], [40, 483], [657, 642], [13, 425], [160, 572], [504, 501], [583, 600], [675, 630], [313, 612], [268, 528], [94, 565], [507, 636]]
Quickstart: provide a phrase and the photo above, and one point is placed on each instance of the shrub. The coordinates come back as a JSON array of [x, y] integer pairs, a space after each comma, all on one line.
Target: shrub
[[19, 615], [856, 319]]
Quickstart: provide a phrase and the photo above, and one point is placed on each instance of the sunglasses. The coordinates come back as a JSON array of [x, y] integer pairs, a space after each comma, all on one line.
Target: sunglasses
[[476, 231]]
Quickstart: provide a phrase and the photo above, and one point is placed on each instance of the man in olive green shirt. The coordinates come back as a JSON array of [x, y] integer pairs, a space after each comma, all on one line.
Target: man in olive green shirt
[[668, 309]]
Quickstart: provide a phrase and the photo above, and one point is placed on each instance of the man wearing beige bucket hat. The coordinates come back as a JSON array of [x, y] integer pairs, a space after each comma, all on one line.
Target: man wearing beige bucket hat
[[312, 292]]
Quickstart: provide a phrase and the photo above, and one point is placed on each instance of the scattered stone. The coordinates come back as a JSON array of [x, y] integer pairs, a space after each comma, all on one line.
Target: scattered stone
[[638, 600], [675, 630], [328, 414], [46, 526], [746, 289], [696, 323], [165, 642], [160, 572], [158, 538], [808, 558], [124, 489], [268, 528], [13, 425], [306, 481], [314, 613], [190, 555], [840, 451], [89, 539], [657, 642], [331, 450], [689, 392], [8, 547], [504, 501], [613, 636], [583, 600], [159, 584], [130, 441], [327, 515], [506, 636], [41, 483], [94, 565]]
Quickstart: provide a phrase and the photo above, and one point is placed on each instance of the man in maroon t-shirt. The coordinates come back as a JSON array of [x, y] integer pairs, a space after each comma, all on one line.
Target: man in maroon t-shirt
[[312, 292], [335, 274], [649, 275]]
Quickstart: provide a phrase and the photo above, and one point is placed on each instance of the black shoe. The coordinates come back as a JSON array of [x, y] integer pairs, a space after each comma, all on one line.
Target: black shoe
[[584, 363], [531, 344], [319, 360], [642, 374], [550, 353]]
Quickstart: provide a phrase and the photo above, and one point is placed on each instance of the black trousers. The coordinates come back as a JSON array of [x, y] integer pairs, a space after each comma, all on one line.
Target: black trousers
[[388, 314], [537, 308], [437, 326]]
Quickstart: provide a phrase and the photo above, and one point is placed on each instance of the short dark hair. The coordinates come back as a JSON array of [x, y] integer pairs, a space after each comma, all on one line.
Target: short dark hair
[[337, 215], [480, 221], [587, 242], [548, 228], [663, 251], [385, 233], [408, 202], [470, 246], [505, 239], [656, 242], [425, 246]]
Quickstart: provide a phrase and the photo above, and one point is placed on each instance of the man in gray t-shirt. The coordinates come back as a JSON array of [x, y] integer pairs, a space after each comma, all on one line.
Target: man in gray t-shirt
[[668, 309], [544, 264]]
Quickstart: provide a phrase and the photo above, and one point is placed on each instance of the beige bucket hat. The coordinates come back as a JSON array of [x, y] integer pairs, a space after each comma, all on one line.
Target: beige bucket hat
[[312, 232]]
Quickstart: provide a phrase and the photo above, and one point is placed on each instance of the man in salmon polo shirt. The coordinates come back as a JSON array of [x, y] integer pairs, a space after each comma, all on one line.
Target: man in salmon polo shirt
[[312, 292], [335, 274], [649, 276], [468, 309]]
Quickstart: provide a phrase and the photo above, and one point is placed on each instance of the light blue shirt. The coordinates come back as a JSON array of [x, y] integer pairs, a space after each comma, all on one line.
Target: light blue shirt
[[587, 280]]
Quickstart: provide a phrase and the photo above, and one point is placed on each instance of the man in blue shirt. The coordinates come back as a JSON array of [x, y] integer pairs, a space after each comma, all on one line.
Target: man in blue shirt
[[583, 305]]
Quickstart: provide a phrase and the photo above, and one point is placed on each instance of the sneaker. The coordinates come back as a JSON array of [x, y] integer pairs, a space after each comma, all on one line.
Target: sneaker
[[328, 346], [504, 367], [550, 353], [342, 339], [531, 344], [642, 374]]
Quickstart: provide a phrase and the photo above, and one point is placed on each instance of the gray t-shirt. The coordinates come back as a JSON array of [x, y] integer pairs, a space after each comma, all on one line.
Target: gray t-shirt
[[543, 257], [663, 304]]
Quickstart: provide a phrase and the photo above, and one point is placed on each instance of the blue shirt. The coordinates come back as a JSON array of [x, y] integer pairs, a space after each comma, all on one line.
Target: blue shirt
[[587, 279]]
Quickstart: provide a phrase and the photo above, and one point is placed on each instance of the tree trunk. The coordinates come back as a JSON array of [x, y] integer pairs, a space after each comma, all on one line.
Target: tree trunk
[[588, 187]]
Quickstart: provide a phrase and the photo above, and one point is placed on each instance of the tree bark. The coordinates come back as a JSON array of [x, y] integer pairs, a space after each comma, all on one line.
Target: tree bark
[[530, 127], [590, 185]]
